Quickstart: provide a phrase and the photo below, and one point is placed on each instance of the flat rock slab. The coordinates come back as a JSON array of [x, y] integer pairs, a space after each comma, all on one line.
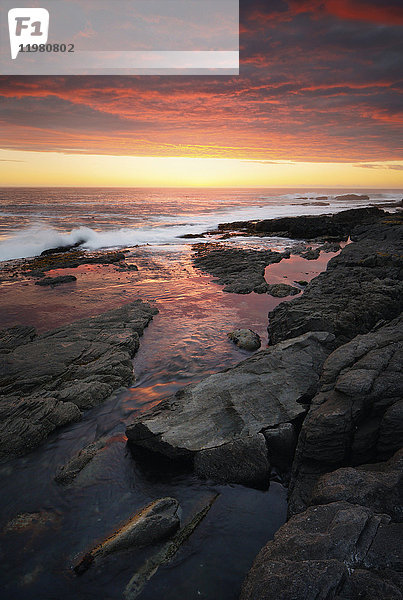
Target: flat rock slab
[[45, 380], [235, 407]]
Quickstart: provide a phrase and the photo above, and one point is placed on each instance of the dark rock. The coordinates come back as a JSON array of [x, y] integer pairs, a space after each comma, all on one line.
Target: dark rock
[[45, 381], [191, 236], [302, 282], [364, 585], [361, 286], [281, 290], [69, 471], [56, 280], [154, 523], [330, 247], [245, 461], [16, 336], [26, 422], [240, 271], [263, 391], [70, 260], [378, 486], [361, 382], [245, 339], [59, 249], [339, 225], [314, 554], [311, 254], [352, 197]]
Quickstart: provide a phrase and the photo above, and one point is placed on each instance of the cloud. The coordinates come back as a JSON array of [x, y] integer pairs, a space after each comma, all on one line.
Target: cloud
[[383, 167]]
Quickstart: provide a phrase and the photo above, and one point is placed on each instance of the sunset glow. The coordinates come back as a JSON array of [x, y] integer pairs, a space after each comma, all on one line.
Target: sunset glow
[[318, 102]]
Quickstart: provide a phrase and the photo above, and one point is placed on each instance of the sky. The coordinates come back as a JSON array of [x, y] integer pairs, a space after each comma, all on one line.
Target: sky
[[318, 102]]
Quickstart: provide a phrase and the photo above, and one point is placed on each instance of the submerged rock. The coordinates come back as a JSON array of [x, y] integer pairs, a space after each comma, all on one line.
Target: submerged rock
[[45, 380], [69, 471], [154, 523], [282, 290], [56, 280], [233, 408], [245, 339], [316, 554]]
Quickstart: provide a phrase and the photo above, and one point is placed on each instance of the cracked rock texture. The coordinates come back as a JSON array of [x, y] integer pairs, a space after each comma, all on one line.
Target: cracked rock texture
[[361, 286], [334, 551], [356, 417], [46, 380], [217, 423]]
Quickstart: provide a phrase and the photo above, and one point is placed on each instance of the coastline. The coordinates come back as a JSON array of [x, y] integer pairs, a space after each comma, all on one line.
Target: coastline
[[373, 254]]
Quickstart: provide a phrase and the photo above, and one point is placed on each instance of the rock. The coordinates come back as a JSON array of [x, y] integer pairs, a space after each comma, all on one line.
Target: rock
[[352, 197], [378, 486], [165, 555], [191, 236], [59, 249], [26, 422], [311, 254], [315, 554], [371, 586], [240, 271], [246, 462], [361, 286], [56, 280], [44, 382], [69, 471], [281, 290], [245, 339], [263, 391], [302, 282], [70, 260], [330, 247], [34, 522], [16, 336], [351, 419], [339, 225], [154, 523], [321, 197]]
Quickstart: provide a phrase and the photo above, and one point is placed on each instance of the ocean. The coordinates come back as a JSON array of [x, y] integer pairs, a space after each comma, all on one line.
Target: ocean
[[35, 219]]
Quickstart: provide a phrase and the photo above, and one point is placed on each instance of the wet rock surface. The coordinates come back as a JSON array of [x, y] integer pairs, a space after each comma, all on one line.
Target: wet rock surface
[[46, 380], [154, 523], [69, 471], [316, 554], [361, 286], [51, 281], [245, 339], [234, 407], [282, 290], [240, 271]]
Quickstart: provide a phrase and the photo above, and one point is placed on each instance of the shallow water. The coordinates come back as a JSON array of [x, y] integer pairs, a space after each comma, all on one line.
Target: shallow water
[[185, 342]]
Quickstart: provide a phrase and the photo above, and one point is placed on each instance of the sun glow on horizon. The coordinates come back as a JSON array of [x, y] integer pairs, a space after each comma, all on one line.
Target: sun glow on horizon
[[47, 169]]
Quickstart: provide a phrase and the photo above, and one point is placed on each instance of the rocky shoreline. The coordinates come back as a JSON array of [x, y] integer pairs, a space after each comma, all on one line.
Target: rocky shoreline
[[321, 408], [342, 540]]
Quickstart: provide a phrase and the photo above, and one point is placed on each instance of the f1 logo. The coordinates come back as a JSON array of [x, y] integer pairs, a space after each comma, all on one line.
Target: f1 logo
[[26, 26]]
